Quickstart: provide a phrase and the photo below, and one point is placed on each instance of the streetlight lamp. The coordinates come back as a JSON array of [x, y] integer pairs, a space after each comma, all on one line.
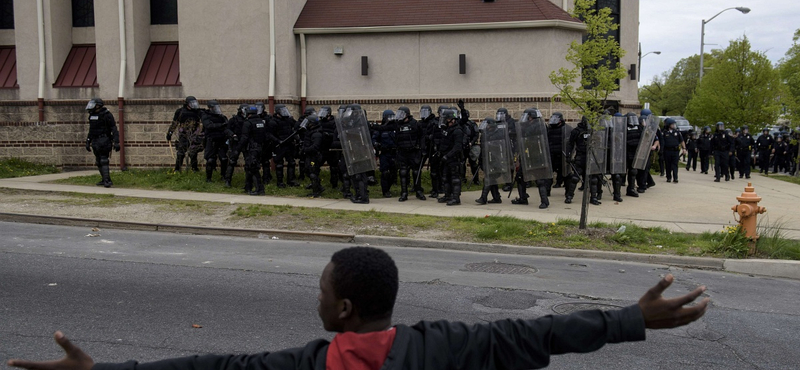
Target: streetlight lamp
[[640, 61], [742, 9]]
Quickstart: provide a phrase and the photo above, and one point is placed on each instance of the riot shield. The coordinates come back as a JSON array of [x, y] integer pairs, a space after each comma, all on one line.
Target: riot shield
[[597, 157], [497, 156], [617, 145], [534, 149], [645, 143], [566, 168], [356, 142]]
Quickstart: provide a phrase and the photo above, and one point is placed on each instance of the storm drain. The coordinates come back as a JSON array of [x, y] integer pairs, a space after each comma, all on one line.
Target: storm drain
[[568, 308], [500, 268]]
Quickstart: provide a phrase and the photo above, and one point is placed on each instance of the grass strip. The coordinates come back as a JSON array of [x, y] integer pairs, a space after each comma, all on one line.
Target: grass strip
[[15, 167]]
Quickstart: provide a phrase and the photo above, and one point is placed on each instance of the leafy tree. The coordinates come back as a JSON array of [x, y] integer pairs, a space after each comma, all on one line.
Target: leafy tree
[[670, 93], [595, 73], [742, 89], [790, 74]]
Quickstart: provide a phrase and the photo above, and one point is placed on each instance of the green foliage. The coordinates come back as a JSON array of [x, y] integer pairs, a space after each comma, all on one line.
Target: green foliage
[[790, 73], [773, 242], [742, 89], [593, 77], [731, 242], [669, 94], [15, 167]]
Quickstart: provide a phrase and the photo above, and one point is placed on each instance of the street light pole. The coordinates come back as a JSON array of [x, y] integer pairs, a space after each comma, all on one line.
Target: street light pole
[[640, 61], [742, 9]]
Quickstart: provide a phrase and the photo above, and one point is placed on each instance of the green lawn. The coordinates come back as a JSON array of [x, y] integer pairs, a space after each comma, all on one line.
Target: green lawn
[[15, 167]]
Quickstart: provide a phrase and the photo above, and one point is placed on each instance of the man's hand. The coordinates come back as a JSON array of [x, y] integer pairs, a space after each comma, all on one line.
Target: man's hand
[[169, 136], [116, 147], [660, 313], [461, 103], [74, 360], [88, 145]]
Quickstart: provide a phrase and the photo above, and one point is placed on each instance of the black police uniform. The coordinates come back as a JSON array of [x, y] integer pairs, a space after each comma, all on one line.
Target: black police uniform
[[555, 137], [312, 148], [671, 149], [578, 139], [383, 140], [452, 160], [255, 138], [704, 149], [188, 125], [216, 148], [233, 131], [409, 137], [744, 153], [634, 135], [722, 145], [103, 136], [330, 155], [765, 144], [691, 150], [434, 134], [284, 128]]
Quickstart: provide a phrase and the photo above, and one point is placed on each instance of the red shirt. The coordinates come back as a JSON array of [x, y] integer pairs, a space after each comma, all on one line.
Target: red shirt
[[354, 351]]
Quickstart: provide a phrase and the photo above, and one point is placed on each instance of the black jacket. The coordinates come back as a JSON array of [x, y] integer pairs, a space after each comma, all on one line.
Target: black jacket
[[504, 344], [102, 123]]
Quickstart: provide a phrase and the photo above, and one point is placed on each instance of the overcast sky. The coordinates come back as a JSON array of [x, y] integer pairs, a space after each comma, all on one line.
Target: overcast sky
[[673, 27]]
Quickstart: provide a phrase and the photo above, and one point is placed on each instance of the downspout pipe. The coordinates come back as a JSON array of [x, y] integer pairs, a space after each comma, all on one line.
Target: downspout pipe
[[40, 19], [271, 97], [123, 62], [303, 75]]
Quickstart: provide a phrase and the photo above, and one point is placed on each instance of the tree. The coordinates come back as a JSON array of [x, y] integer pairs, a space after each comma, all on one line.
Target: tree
[[742, 89], [790, 74], [595, 73], [669, 94]]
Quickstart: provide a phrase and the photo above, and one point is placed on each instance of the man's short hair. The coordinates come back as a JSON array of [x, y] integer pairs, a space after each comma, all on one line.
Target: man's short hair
[[368, 278]]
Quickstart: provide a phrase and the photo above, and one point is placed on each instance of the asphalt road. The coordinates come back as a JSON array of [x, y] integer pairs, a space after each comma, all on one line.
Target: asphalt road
[[125, 295]]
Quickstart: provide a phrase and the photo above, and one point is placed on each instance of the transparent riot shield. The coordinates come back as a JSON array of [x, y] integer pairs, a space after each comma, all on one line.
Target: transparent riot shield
[[645, 143], [566, 168], [534, 149], [356, 142], [497, 155], [617, 145], [597, 157]]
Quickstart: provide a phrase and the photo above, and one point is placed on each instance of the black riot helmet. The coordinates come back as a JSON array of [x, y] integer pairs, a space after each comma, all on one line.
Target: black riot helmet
[[341, 109], [213, 107], [309, 111], [706, 129], [388, 115], [191, 102], [282, 111], [631, 119], [448, 114], [310, 122], [531, 114], [252, 110], [324, 112], [745, 129], [557, 119], [402, 114], [584, 123], [95, 103], [242, 111], [670, 123], [645, 112], [261, 108], [720, 126], [487, 123], [425, 112], [501, 115], [441, 109]]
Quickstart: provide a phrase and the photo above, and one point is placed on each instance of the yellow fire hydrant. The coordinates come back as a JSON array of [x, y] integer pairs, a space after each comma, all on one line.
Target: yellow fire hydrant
[[748, 211]]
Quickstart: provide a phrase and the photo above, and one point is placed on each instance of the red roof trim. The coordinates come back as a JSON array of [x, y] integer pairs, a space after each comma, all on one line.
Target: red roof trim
[[161, 66], [80, 68], [8, 67], [387, 13]]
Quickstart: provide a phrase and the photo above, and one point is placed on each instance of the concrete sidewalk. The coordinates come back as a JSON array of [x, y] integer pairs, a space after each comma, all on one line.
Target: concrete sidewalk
[[695, 205]]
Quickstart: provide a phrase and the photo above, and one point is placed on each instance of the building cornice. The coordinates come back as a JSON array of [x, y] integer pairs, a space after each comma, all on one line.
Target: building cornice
[[575, 26]]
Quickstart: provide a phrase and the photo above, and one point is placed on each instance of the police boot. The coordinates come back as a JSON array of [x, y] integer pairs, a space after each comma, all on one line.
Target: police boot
[[543, 197], [100, 170], [179, 162], [279, 176], [193, 161], [362, 194], [290, 179], [593, 186], [522, 189], [617, 190], [456, 197], [223, 168], [570, 189], [248, 182], [209, 172], [105, 173], [316, 187], [258, 186], [267, 178], [496, 198], [599, 188], [484, 194], [229, 175], [631, 192], [346, 188], [403, 188], [507, 187], [446, 195]]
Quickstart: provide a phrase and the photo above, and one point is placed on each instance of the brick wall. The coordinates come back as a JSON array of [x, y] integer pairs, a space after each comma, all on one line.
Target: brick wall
[[59, 140]]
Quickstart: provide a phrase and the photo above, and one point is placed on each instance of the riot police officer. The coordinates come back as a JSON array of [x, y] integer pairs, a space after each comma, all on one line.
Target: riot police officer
[[765, 146], [255, 138], [672, 146], [435, 133], [312, 148], [298, 152], [704, 148], [186, 121], [491, 133], [744, 151], [214, 124], [327, 125], [234, 131], [383, 139], [691, 149], [102, 137], [502, 117], [284, 128], [722, 145], [555, 137], [634, 135], [578, 139], [452, 158], [409, 137]]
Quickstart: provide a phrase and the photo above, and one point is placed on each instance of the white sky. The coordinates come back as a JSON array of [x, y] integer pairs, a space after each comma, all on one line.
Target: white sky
[[673, 27]]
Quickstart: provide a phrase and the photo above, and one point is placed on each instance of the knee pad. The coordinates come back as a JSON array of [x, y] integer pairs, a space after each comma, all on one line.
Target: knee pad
[[103, 161], [211, 162]]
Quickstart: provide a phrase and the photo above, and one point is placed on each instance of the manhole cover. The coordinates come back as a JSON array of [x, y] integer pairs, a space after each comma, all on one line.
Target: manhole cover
[[500, 268], [568, 308]]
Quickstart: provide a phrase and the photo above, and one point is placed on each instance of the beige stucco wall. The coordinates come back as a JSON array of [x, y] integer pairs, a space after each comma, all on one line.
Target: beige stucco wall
[[287, 49], [58, 40], [629, 34], [6, 37], [500, 63], [224, 49], [26, 40]]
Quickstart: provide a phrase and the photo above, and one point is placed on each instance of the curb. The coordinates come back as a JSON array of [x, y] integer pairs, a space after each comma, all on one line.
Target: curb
[[197, 230], [771, 268], [680, 261]]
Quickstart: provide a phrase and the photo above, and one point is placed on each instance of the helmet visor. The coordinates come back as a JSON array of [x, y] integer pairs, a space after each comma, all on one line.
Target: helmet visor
[[92, 104], [399, 115], [424, 112], [284, 112], [216, 109], [501, 116], [193, 104], [324, 112]]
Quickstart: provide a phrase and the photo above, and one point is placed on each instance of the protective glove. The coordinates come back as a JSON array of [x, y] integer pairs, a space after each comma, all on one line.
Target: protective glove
[[169, 136], [116, 147], [461, 103], [88, 145]]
